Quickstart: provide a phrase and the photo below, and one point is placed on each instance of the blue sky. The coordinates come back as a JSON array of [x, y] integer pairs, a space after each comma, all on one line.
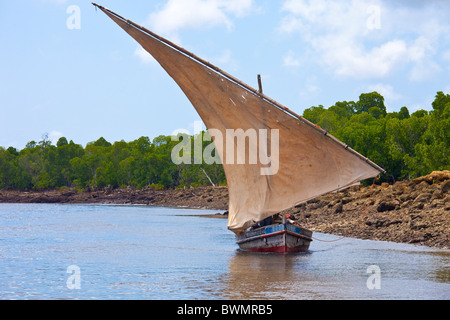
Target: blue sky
[[68, 70]]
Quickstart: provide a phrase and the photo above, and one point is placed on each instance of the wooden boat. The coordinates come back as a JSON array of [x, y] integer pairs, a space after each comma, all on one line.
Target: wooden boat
[[305, 161], [281, 237]]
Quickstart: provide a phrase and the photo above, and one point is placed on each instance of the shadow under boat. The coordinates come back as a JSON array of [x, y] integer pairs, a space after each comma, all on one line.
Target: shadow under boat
[[271, 236]]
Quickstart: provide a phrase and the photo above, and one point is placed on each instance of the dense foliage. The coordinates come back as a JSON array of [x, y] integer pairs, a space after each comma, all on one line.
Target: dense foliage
[[138, 163], [405, 145]]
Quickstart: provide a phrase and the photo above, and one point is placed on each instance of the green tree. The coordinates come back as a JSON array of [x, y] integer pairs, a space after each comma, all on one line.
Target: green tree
[[440, 103], [64, 153], [94, 158], [402, 137], [30, 160], [313, 114], [12, 176], [403, 113], [419, 113], [367, 135], [344, 109], [80, 172], [371, 100], [5, 169], [13, 151], [101, 142], [433, 151]]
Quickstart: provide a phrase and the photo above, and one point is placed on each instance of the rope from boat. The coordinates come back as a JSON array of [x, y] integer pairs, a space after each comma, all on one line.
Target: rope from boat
[[360, 221]]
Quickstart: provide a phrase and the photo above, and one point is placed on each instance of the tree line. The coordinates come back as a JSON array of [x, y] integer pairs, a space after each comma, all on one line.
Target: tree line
[[139, 163], [405, 145]]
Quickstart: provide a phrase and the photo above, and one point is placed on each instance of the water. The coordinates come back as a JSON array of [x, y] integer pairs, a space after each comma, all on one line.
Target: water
[[138, 252]]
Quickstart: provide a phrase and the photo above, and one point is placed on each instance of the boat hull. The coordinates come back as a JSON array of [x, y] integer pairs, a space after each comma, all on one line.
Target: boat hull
[[281, 238]]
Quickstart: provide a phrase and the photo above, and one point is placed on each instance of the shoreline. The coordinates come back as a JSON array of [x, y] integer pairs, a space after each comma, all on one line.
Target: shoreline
[[414, 212], [190, 198]]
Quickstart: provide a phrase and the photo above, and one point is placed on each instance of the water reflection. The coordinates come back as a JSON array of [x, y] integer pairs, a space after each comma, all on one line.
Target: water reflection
[[339, 271], [441, 271], [264, 275], [160, 253]]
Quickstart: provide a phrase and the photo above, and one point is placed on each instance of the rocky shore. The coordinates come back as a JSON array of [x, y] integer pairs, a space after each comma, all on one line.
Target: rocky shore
[[201, 197], [416, 211]]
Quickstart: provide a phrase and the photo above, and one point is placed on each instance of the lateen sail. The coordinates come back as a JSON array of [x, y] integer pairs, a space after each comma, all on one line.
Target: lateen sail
[[311, 162]]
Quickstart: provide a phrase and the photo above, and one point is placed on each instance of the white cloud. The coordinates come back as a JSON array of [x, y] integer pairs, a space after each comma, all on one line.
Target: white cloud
[[336, 32], [424, 70], [446, 55], [355, 61], [290, 60], [387, 91], [421, 53], [310, 9], [421, 48], [180, 14], [368, 38], [239, 8]]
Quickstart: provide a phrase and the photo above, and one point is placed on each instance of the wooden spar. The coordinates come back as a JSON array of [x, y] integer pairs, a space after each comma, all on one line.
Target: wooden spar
[[208, 177], [242, 84], [260, 84]]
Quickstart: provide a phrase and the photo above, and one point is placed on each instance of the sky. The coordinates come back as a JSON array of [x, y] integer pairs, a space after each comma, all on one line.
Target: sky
[[67, 70]]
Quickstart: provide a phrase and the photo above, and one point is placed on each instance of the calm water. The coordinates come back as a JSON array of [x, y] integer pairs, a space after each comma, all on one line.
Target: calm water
[[137, 252]]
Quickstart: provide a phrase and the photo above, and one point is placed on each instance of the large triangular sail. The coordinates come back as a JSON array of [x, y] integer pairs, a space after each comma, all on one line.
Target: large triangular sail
[[305, 161]]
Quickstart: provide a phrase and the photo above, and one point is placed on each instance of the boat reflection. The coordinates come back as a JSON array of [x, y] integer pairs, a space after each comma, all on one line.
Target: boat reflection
[[264, 275]]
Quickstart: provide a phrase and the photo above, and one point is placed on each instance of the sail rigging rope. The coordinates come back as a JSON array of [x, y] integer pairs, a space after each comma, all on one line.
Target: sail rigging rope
[[360, 220]]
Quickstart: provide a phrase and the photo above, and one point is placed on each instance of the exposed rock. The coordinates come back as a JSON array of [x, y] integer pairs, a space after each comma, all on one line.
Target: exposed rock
[[338, 208], [386, 205]]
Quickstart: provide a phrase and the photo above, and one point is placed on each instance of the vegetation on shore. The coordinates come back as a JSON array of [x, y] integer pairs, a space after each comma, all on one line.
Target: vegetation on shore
[[405, 145]]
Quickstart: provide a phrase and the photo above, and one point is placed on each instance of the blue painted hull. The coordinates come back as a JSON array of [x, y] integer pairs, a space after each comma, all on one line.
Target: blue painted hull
[[282, 238]]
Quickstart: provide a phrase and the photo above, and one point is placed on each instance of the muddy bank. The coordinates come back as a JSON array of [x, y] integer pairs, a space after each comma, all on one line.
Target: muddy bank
[[201, 197], [416, 211]]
